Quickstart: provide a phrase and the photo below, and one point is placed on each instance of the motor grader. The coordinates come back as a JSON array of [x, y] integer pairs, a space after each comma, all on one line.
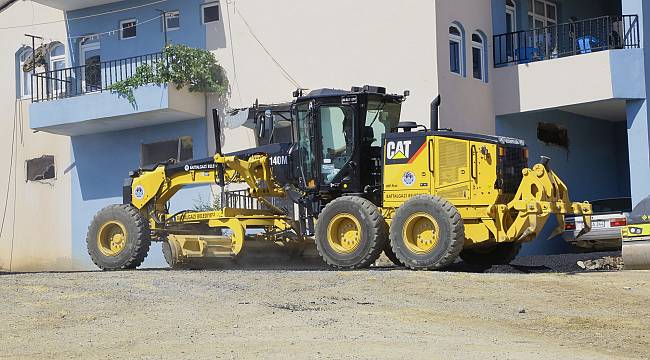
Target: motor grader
[[354, 180]]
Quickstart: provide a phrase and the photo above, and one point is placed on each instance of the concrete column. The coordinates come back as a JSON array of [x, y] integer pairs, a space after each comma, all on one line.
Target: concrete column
[[638, 139], [638, 130]]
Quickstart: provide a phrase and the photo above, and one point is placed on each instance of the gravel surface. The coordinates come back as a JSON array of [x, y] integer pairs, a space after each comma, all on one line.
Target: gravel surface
[[314, 313]]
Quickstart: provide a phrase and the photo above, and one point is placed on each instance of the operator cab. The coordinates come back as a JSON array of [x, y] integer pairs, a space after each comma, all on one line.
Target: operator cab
[[338, 140]]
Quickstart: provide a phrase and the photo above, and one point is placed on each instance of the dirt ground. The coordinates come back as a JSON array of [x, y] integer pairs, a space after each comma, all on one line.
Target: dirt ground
[[314, 313]]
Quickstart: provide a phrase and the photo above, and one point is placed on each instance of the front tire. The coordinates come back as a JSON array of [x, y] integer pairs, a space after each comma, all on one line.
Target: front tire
[[427, 233], [350, 233], [118, 238]]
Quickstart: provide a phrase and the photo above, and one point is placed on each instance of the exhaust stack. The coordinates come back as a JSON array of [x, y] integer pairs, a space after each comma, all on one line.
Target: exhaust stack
[[435, 105]]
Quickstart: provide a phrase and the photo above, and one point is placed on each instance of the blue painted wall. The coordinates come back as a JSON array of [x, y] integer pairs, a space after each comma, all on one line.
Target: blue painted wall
[[595, 166], [103, 161], [150, 35]]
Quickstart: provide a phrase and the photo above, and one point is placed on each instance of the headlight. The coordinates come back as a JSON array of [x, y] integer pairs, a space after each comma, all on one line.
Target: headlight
[[635, 230]]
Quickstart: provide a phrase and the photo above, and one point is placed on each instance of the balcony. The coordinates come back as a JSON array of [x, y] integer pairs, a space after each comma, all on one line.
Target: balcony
[[78, 101], [594, 63], [567, 39]]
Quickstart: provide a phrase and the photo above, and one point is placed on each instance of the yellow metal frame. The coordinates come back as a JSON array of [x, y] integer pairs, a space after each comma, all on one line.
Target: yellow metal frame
[[489, 215], [344, 233]]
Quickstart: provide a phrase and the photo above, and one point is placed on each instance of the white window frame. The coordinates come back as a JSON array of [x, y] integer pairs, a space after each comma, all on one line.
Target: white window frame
[[203, 6], [512, 11], [25, 75], [461, 47], [168, 15], [122, 28], [481, 47], [53, 60], [542, 18]]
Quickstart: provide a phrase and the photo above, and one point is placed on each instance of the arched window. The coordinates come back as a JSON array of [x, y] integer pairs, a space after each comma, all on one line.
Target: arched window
[[479, 60], [25, 77], [57, 64], [456, 50], [511, 16]]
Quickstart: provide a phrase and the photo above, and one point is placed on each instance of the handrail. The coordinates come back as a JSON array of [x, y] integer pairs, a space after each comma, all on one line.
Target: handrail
[[89, 78], [567, 39]]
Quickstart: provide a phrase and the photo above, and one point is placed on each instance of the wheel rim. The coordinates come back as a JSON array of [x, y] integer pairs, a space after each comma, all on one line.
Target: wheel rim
[[421, 233], [111, 238], [344, 233]]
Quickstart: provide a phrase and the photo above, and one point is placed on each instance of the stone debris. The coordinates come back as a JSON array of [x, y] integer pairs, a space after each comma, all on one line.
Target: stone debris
[[606, 263]]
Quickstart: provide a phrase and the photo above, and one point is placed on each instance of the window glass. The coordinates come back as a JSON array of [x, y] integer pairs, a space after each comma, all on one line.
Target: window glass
[[550, 12], [173, 20], [477, 63], [57, 62], [477, 38], [210, 13], [455, 50], [454, 56], [337, 130], [129, 29], [303, 134], [539, 8], [41, 168], [382, 117], [25, 76], [176, 150]]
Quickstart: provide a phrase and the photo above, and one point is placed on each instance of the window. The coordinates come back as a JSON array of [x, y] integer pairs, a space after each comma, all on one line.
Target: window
[[456, 50], [553, 134], [172, 150], [57, 63], [210, 12], [511, 16], [478, 57], [41, 168], [25, 76], [337, 130], [541, 13], [173, 19], [128, 29]]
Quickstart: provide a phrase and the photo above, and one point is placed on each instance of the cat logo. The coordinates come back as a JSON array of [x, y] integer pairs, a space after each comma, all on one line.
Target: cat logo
[[398, 150]]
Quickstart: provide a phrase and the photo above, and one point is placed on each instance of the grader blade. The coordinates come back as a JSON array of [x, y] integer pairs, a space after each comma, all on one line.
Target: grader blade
[[541, 194]]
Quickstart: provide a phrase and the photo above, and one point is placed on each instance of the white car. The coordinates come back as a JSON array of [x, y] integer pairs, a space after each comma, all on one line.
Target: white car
[[609, 216]]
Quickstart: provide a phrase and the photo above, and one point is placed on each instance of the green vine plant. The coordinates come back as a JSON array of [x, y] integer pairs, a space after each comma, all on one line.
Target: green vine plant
[[181, 65]]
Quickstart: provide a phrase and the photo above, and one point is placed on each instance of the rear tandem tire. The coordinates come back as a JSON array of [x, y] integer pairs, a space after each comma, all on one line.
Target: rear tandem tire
[[351, 233], [118, 238], [427, 233], [501, 254]]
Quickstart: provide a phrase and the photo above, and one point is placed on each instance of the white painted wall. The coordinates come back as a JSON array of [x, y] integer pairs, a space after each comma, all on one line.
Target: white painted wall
[[569, 81], [36, 233], [467, 103], [333, 44]]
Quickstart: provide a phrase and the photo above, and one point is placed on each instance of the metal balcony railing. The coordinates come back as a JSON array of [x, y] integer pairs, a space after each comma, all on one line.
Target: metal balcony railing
[[568, 39], [90, 78]]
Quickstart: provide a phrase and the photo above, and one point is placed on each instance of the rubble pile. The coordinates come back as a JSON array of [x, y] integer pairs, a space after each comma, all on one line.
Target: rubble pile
[[606, 263]]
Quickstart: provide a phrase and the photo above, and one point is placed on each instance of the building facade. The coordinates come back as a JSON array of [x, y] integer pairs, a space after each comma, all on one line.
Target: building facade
[[566, 76], [34, 180]]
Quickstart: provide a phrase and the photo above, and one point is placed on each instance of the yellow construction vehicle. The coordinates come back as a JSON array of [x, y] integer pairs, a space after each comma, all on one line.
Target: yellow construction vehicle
[[636, 238], [359, 182]]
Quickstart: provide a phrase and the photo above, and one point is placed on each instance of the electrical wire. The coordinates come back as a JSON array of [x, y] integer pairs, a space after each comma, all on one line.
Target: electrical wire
[[285, 73], [114, 31], [232, 54], [6, 205], [83, 17]]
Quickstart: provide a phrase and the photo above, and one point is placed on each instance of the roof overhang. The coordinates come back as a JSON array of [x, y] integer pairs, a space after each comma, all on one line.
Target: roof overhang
[[68, 5]]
